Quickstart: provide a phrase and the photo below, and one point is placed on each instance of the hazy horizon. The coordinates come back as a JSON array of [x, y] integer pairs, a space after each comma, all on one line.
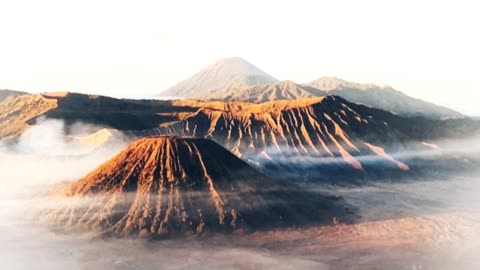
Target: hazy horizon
[[426, 50]]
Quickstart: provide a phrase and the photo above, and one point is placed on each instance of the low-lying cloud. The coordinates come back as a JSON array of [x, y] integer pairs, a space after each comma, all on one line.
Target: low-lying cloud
[[402, 216], [465, 150], [53, 137]]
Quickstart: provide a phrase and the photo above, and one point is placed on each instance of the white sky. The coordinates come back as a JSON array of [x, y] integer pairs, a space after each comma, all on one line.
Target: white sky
[[427, 49]]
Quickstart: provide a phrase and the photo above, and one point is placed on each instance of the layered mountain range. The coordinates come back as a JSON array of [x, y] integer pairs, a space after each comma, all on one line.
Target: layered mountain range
[[170, 186], [322, 137], [17, 113], [236, 163], [235, 79], [325, 138]]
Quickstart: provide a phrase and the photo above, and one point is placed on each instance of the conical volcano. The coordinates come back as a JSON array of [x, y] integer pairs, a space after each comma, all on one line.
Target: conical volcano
[[228, 73], [164, 186]]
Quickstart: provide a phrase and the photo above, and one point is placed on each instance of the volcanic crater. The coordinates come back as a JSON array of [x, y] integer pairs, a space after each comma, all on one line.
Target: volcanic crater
[[168, 186]]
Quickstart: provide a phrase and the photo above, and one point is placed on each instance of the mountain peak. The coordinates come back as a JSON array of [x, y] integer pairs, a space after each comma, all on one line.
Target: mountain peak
[[232, 61], [235, 66], [225, 73], [165, 186]]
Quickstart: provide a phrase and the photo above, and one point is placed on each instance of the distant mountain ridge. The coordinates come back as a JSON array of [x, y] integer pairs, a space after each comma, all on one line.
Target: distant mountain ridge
[[264, 92], [385, 98], [235, 79], [228, 73], [333, 83]]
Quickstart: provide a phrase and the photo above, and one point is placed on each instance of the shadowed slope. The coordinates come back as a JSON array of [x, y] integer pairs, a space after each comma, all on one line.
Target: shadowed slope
[[17, 113], [169, 185]]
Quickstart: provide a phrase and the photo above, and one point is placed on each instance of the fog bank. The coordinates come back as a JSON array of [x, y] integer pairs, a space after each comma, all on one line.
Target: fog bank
[[430, 224]]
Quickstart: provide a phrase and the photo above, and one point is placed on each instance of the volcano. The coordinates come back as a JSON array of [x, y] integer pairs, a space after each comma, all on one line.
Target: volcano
[[227, 73], [170, 186]]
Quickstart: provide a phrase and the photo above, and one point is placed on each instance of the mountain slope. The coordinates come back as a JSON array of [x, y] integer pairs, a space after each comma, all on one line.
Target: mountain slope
[[336, 135], [385, 98], [4, 93], [17, 113], [167, 186], [226, 73], [324, 138], [332, 83], [324, 127], [263, 92], [144, 116]]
